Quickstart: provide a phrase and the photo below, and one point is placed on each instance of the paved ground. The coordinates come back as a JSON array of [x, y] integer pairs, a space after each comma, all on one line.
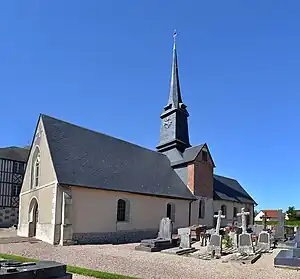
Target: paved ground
[[123, 259]]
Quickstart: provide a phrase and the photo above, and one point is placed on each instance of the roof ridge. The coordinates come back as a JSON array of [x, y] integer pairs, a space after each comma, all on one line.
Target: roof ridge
[[100, 133], [234, 179]]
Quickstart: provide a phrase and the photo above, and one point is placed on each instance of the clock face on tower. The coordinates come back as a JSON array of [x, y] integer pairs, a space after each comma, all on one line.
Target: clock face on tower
[[167, 122]]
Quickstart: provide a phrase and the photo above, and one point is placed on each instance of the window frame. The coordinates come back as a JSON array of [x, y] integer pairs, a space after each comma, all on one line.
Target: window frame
[[122, 210]]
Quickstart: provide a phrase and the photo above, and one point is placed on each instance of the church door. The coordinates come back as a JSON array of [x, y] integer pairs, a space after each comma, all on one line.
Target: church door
[[35, 219]]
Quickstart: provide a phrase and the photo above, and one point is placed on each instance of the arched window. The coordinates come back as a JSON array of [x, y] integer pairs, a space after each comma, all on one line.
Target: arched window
[[171, 211], [123, 210], [35, 168], [201, 214], [234, 212], [37, 171], [223, 209]]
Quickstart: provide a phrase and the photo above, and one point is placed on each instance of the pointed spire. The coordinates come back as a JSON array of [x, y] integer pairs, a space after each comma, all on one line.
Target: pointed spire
[[175, 96]]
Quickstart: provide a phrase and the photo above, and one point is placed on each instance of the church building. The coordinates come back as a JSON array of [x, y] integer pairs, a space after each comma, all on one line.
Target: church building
[[82, 186]]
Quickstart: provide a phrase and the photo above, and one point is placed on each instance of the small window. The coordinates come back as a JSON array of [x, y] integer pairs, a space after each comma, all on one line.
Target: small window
[[121, 213], [18, 168], [223, 209], [16, 190], [234, 212], [171, 211], [37, 172], [204, 156], [201, 214]]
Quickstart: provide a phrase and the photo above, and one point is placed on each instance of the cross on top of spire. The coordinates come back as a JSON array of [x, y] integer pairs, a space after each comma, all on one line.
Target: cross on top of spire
[[174, 36]]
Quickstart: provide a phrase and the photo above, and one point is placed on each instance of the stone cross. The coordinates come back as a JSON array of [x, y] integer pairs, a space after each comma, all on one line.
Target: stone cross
[[219, 216], [243, 215]]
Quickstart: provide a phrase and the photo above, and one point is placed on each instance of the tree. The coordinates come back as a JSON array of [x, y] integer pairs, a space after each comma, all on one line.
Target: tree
[[291, 213], [255, 213]]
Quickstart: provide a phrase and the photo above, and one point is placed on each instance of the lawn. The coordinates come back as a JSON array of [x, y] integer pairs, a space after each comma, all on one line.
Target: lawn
[[72, 269], [286, 223]]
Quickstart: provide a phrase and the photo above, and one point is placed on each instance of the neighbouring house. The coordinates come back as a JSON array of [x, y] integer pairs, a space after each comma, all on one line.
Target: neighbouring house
[[297, 211], [12, 168], [271, 213], [88, 187]]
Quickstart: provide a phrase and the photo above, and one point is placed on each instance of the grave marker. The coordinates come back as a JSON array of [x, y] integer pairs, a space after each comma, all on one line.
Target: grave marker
[[215, 244], [264, 241], [279, 229], [245, 240], [163, 241]]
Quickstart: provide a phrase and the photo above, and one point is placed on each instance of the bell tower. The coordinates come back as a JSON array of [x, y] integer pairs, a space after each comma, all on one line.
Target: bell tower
[[174, 135]]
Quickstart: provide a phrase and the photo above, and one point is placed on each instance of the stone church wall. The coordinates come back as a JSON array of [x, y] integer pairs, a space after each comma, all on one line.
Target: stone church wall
[[94, 214], [229, 210], [44, 193]]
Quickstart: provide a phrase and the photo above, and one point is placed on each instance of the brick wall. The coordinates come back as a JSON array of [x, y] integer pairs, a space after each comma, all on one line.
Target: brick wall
[[200, 177]]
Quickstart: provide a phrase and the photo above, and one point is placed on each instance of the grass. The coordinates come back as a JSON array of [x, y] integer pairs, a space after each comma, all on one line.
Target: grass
[[71, 269], [286, 223]]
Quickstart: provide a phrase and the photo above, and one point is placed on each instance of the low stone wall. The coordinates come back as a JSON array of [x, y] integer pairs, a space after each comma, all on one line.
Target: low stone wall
[[114, 237]]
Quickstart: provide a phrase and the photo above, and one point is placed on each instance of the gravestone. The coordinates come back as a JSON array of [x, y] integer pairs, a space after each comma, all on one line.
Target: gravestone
[[39, 270], [245, 241], [279, 229], [185, 243], [185, 237], [215, 244], [163, 241], [291, 257], [165, 228], [264, 241]]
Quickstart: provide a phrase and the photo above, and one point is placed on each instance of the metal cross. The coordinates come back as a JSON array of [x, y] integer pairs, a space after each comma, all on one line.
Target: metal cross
[[243, 214], [219, 216], [265, 217]]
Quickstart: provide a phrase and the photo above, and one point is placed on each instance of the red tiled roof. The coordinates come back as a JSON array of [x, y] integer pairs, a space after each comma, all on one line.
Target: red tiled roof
[[271, 213]]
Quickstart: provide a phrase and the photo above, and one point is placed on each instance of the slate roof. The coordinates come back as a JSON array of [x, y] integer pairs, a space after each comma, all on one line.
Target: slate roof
[[190, 154], [226, 188], [86, 158], [14, 153]]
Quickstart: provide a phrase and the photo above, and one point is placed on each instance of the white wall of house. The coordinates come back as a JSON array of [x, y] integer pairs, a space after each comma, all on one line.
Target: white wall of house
[[258, 216]]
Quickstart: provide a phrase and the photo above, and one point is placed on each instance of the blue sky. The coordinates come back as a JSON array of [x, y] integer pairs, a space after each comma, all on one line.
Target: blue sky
[[106, 65]]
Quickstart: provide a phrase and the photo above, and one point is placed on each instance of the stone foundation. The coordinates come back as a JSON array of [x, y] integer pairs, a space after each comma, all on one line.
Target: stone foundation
[[8, 216], [114, 237]]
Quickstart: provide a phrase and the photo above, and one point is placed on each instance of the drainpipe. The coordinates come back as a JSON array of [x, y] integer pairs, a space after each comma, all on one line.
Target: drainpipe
[[190, 212]]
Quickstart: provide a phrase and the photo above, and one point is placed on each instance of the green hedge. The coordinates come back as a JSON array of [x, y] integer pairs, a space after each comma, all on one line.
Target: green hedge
[[286, 223]]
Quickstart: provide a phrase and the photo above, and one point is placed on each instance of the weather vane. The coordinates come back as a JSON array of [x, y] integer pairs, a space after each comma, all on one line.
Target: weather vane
[[174, 35]]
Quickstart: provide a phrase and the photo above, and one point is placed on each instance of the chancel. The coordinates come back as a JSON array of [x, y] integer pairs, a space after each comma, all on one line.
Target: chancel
[[87, 187]]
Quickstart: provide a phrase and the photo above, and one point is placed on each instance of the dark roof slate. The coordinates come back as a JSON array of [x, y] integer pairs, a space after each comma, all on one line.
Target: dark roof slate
[[14, 153], [190, 154], [226, 188], [82, 157]]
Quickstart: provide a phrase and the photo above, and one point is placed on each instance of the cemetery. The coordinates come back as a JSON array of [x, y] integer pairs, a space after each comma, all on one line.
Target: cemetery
[[199, 246]]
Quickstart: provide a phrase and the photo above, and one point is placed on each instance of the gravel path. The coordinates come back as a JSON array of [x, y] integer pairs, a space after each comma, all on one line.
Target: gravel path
[[123, 259]]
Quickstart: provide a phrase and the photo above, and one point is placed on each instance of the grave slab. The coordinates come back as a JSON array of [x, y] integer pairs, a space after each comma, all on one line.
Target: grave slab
[[40, 270], [185, 243], [163, 241], [285, 259]]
